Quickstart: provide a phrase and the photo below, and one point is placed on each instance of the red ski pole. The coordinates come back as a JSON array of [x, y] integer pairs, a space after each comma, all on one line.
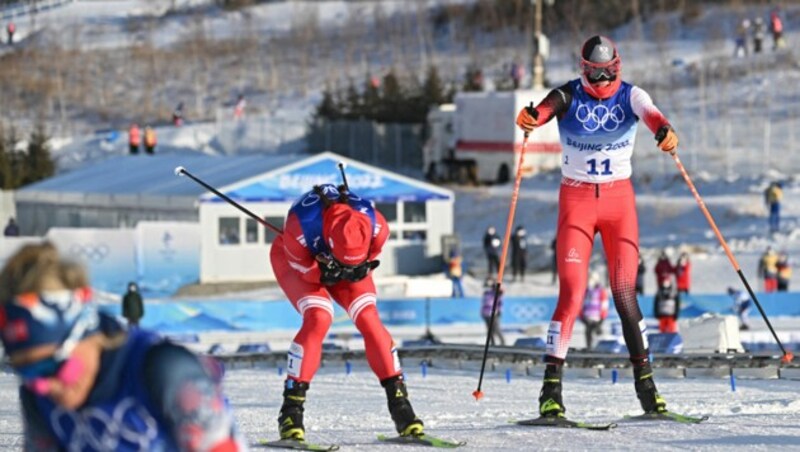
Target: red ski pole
[[478, 394], [787, 356]]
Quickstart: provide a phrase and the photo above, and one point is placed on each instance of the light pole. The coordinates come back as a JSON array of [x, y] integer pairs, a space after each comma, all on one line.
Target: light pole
[[539, 41]]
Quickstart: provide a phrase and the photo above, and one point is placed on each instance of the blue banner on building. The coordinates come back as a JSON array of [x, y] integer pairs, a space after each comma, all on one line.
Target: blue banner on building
[[382, 186]]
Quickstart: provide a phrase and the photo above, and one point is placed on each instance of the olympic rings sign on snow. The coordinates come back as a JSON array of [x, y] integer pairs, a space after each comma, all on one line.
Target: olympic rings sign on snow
[[597, 116], [89, 252], [529, 312]]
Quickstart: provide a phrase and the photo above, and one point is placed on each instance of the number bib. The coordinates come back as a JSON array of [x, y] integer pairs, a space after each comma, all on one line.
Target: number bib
[[597, 136]]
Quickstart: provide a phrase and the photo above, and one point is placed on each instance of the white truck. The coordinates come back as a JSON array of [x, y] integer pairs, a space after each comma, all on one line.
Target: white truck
[[476, 140]]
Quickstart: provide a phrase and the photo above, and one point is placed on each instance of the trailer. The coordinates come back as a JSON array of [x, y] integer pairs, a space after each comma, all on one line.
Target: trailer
[[475, 140]]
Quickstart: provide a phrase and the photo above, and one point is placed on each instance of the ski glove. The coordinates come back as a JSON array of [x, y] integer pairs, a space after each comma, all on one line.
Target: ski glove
[[667, 139], [330, 271], [527, 118], [359, 272]]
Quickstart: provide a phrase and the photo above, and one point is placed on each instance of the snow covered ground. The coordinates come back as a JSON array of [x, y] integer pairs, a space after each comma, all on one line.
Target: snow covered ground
[[350, 410]]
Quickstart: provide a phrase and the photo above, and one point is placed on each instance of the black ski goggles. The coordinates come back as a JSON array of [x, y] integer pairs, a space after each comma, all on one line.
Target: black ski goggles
[[598, 72]]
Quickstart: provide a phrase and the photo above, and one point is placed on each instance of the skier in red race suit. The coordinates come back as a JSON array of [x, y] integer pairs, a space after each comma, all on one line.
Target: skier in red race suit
[[597, 118], [327, 250]]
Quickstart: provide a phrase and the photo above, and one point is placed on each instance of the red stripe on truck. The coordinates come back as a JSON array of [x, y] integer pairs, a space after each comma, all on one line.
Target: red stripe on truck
[[506, 146]]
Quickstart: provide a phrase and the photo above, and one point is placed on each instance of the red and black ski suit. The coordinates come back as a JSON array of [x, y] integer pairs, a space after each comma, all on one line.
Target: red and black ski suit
[[298, 274], [596, 196]]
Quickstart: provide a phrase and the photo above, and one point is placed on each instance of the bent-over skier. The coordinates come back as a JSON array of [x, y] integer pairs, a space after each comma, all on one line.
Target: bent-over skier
[[328, 249]]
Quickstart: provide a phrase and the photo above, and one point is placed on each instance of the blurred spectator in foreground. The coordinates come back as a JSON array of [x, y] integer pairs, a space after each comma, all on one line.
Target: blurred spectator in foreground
[[784, 267], [519, 253], [455, 271], [85, 383], [487, 303], [683, 274], [491, 246], [773, 196], [667, 307], [741, 306], [595, 311], [768, 269], [12, 229]]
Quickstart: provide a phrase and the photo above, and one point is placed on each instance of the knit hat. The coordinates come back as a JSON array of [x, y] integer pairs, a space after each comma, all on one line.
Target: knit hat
[[31, 319], [348, 234]]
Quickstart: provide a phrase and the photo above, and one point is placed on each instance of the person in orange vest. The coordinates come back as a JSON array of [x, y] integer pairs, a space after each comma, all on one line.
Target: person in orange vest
[[455, 271], [776, 27], [134, 138], [149, 140], [10, 29], [768, 269]]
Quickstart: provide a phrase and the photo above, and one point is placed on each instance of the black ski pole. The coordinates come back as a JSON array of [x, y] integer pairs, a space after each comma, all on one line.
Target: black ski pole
[[181, 171], [341, 166]]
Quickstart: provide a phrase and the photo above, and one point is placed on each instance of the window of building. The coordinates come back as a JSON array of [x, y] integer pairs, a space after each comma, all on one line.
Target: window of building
[[415, 235], [251, 231], [229, 230], [388, 210], [414, 212], [269, 234]]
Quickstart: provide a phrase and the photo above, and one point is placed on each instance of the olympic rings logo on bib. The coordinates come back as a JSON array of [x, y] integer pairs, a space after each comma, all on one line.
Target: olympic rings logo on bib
[[597, 116]]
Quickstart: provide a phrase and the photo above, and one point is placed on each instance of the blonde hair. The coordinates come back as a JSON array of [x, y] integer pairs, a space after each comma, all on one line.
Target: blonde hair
[[36, 268]]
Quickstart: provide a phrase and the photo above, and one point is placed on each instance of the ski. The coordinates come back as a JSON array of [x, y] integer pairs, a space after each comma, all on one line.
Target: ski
[[422, 440], [562, 423], [295, 444], [666, 416]]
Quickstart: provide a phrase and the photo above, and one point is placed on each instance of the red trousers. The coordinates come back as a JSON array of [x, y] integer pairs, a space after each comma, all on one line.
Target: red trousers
[[667, 325], [313, 302], [584, 210]]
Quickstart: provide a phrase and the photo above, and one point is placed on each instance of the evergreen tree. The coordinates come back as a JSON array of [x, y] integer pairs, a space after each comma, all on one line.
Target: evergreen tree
[[353, 103], [433, 91], [371, 100], [391, 98], [327, 108], [6, 178], [16, 160], [38, 162]]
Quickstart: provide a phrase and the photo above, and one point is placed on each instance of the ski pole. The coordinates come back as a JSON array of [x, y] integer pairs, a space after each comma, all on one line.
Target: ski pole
[[787, 356], [478, 394], [341, 166], [181, 171]]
